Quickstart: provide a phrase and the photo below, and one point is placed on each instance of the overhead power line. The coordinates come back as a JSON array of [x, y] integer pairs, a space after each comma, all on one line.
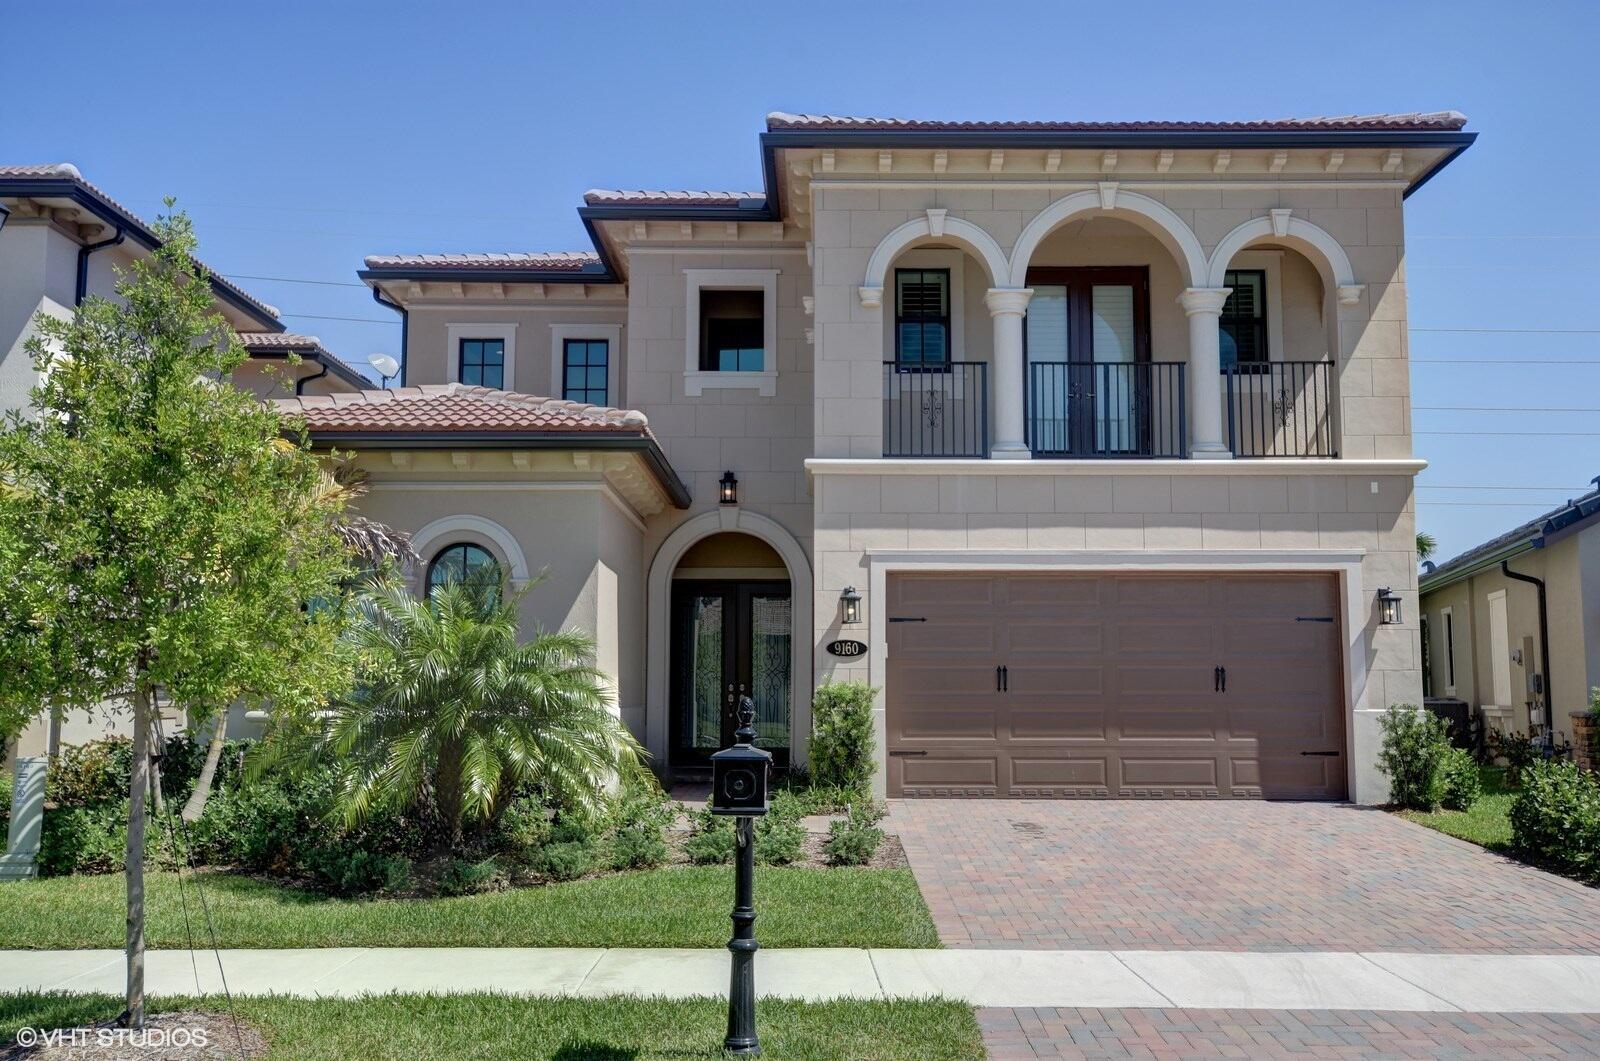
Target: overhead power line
[[1552, 489], [1506, 409], [353, 320], [1505, 361], [293, 280], [1516, 331], [1517, 434], [1485, 504]]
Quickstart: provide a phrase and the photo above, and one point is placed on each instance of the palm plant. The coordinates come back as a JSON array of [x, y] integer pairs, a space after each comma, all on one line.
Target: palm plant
[[1426, 545], [451, 714]]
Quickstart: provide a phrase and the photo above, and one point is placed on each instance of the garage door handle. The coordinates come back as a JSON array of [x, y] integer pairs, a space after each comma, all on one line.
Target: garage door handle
[[1002, 679], [906, 755], [1325, 755]]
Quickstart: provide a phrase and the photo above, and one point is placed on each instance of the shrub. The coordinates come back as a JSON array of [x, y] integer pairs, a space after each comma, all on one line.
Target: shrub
[[1555, 818], [348, 872], [1518, 750], [841, 735], [636, 847], [90, 775], [522, 830], [712, 840], [1460, 783], [84, 840], [1414, 742], [5, 799], [462, 877], [853, 840], [780, 838], [563, 860]]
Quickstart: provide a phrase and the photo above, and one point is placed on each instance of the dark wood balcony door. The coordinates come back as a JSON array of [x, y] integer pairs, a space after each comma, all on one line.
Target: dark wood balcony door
[[1082, 325], [729, 639]]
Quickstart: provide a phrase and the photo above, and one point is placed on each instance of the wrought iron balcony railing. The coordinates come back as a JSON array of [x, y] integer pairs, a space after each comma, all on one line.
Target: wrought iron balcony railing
[[1280, 409], [936, 410], [1085, 409]]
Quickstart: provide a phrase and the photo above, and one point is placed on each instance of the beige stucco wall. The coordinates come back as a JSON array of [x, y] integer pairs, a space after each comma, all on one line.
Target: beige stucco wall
[[431, 359], [1203, 511]]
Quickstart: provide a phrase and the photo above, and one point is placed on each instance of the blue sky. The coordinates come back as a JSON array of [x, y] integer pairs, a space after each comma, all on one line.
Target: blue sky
[[303, 136]]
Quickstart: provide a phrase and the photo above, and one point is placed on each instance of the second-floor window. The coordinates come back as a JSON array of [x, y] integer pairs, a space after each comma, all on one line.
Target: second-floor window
[[732, 331], [922, 316], [1244, 318], [584, 364], [483, 363]]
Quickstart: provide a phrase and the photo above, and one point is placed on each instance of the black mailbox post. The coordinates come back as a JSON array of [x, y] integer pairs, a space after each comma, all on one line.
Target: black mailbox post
[[739, 778]]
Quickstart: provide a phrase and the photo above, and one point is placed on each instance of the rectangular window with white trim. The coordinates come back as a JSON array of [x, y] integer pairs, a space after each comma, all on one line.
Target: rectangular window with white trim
[[483, 363], [732, 331], [585, 364]]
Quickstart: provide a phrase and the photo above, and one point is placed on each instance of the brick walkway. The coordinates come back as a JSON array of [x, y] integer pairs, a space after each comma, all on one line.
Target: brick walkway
[[1226, 876], [1174, 1033]]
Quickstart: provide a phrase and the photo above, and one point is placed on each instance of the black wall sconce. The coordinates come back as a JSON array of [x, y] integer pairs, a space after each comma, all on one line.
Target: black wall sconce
[[1388, 607], [849, 607], [728, 494]]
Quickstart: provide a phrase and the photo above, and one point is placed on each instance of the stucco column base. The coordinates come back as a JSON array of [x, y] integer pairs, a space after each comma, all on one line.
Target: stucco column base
[[1007, 306]]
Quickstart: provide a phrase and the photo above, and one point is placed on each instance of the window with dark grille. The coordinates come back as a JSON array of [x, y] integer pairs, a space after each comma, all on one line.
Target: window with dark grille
[[464, 564], [584, 365], [483, 362], [732, 331], [922, 316], [1244, 318]]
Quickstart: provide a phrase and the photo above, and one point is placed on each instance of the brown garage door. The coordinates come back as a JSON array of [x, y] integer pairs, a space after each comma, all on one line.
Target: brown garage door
[[1122, 685]]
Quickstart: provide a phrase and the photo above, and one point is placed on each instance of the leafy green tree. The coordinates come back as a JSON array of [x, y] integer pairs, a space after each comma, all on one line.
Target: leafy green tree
[[450, 714], [157, 533]]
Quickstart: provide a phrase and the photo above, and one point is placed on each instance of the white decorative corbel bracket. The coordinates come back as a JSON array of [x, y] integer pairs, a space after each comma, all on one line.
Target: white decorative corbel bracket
[[1350, 294], [871, 297], [1280, 221]]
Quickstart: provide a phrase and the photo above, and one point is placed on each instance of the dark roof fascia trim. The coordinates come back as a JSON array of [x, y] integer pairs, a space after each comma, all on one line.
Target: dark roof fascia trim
[[580, 440], [66, 187], [1442, 578], [334, 365], [784, 138], [1583, 522]]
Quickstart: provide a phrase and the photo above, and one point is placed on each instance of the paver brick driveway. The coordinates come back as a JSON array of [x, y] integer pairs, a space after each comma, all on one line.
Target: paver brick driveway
[[1226, 876]]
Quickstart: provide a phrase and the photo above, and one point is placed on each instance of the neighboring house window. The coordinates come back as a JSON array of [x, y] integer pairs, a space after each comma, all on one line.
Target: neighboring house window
[[483, 363], [1244, 318], [922, 316], [461, 563], [732, 331], [584, 367]]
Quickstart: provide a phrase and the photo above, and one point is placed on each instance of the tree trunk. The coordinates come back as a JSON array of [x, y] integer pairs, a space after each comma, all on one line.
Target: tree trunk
[[157, 797], [138, 786], [202, 786]]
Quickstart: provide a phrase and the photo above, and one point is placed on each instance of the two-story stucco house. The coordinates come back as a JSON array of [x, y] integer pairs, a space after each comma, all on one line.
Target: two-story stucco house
[[1093, 437]]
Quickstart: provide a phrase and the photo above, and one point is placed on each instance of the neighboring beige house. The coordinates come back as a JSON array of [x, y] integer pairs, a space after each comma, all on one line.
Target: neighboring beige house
[[61, 240], [1093, 438], [1513, 625]]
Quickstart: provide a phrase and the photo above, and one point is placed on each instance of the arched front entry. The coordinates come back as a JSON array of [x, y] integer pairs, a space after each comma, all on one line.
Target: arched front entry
[[715, 627]]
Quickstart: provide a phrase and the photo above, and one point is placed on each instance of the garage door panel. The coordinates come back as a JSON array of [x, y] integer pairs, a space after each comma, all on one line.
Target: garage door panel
[[1058, 722], [1026, 637], [1090, 770], [947, 637], [1112, 686], [1157, 638]]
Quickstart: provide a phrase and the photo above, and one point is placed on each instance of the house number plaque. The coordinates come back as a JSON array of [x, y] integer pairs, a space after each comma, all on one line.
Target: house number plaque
[[847, 648]]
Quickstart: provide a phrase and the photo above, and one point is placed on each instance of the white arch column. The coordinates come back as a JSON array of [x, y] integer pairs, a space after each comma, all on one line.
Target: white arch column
[[1007, 306], [1204, 308]]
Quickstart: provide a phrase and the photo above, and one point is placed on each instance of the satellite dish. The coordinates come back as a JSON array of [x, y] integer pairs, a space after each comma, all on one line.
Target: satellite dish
[[387, 366]]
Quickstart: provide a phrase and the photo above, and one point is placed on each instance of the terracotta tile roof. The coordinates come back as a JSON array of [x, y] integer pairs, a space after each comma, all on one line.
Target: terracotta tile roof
[[68, 172], [450, 407], [308, 346], [604, 196], [541, 261], [1415, 122]]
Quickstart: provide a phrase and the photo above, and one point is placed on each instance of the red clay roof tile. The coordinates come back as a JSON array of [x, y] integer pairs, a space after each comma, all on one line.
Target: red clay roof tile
[[451, 407], [1413, 122]]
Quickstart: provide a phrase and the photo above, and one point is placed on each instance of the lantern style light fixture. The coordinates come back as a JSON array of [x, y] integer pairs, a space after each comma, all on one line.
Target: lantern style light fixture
[[1388, 607], [849, 607], [728, 494]]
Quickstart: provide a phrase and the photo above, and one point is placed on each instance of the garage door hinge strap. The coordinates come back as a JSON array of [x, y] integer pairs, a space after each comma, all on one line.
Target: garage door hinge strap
[[907, 619], [906, 755], [1313, 618], [1328, 755]]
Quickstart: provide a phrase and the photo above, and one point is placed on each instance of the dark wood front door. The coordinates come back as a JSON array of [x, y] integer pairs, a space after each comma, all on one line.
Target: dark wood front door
[[729, 640]]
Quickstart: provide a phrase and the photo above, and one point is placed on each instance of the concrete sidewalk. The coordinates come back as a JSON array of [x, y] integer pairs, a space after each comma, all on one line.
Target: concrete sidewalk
[[1123, 979]]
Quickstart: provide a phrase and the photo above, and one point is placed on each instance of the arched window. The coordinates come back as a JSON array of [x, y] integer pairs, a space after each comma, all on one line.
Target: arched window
[[461, 563]]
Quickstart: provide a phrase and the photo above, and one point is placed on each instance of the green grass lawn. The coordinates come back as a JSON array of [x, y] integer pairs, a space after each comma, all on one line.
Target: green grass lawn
[[431, 1026], [672, 907], [1485, 823]]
